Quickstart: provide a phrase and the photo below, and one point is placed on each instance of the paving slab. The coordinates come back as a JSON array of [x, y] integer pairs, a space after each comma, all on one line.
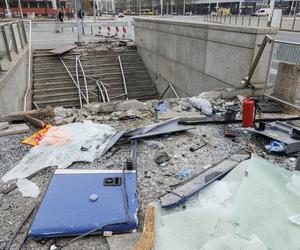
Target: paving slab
[[15, 129], [123, 241]]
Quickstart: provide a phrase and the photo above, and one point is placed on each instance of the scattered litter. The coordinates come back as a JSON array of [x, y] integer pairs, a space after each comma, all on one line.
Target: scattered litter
[[126, 115], [283, 132], [154, 144], [37, 137], [196, 183], [161, 157], [164, 127], [276, 146], [210, 95], [161, 107], [241, 98], [14, 129], [61, 147], [28, 188], [201, 104], [184, 173], [228, 132], [267, 105], [230, 114], [197, 148]]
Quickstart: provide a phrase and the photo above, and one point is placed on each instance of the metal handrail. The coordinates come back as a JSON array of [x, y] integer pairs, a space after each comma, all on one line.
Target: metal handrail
[[123, 77], [77, 85], [99, 86], [246, 80], [101, 92], [105, 90], [29, 69], [84, 79], [172, 88]]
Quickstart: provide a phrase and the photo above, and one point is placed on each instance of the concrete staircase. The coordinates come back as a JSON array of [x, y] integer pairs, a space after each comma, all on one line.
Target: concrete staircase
[[53, 86]]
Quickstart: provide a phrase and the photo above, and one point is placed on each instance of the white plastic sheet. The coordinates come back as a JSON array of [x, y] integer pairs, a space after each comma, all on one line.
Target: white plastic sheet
[[62, 146], [201, 104]]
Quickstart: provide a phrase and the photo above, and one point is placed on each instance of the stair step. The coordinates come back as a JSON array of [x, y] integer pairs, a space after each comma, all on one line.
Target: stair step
[[52, 86]]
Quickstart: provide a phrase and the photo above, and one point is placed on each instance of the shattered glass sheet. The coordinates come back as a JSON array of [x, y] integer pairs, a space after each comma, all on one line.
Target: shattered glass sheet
[[252, 208], [62, 146]]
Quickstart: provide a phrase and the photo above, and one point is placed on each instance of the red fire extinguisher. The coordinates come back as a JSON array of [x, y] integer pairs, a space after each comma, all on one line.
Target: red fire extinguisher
[[248, 113]]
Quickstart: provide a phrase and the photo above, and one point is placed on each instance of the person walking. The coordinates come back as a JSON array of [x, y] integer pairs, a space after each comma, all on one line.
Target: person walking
[[60, 16], [81, 16]]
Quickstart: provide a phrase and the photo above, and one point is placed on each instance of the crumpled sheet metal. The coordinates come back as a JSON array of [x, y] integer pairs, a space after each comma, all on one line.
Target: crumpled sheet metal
[[62, 146], [254, 206], [164, 127]]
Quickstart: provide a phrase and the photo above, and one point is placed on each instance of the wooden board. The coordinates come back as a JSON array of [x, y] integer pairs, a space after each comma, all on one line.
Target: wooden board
[[62, 50], [147, 240]]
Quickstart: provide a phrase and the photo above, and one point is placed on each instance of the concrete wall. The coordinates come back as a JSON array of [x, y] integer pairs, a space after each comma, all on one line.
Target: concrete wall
[[13, 84], [197, 57]]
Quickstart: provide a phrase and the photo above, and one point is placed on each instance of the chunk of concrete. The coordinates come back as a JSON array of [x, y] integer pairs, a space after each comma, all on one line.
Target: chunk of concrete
[[123, 241], [4, 125], [15, 129], [110, 107]]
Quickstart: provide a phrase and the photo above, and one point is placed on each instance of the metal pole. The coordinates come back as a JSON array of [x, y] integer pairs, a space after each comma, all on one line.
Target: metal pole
[[272, 4], [292, 7], [183, 7], [20, 8], [294, 21], [7, 8], [123, 77], [94, 10], [161, 7], [268, 69]]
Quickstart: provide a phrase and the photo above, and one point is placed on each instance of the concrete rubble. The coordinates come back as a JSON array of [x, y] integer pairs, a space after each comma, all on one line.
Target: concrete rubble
[[159, 160]]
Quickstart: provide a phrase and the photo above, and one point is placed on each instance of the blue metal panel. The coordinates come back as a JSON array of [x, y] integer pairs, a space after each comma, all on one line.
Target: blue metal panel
[[67, 209]]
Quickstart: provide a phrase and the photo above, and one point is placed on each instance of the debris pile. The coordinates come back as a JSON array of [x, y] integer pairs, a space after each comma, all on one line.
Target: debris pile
[[183, 152]]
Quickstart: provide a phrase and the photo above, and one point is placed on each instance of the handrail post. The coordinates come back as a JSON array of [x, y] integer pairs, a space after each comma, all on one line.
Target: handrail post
[[246, 80], [24, 32], [14, 39], [20, 35], [8, 53]]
